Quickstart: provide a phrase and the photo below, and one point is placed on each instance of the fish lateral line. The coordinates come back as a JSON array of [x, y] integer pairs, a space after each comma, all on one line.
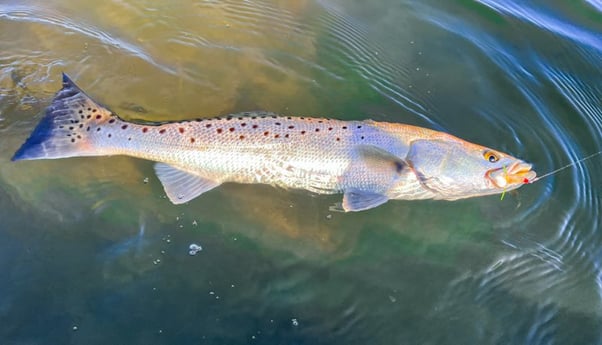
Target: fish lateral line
[[526, 181]]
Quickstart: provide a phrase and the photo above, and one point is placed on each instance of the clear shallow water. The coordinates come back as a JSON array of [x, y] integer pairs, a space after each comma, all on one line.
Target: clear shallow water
[[92, 252]]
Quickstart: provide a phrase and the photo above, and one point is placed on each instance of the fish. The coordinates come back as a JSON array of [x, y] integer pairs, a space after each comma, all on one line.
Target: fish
[[369, 162]]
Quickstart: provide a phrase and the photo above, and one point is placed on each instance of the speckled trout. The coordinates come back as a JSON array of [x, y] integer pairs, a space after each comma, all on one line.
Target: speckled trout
[[369, 162]]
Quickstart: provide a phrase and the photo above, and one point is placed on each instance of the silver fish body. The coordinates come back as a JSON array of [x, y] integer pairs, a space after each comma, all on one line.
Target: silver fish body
[[370, 162]]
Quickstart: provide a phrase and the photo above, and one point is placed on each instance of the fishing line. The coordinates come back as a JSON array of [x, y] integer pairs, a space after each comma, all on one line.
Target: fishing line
[[564, 167]]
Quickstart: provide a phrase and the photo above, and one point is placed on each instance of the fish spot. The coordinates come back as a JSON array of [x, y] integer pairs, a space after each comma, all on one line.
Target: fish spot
[[130, 139], [288, 118], [291, 127], [144, 130], [231, 129], [124, 126], [344, 127], [266, 133], [98, 129], [320, 121], [241, 137], [302, 132], [81, 125], [243, 124], [302, 118], [109, 135], [229, 118], [89, 109], [317, 129], [61, 126], [277, 123], [255, 126], [71, 128], [277, 136], [192, 140], [98, 117], [181, 130], [161, 131], [89, 117], [219, 130], [111, 120], [286, 135], [263, 117], [81, 111], [330, 128], [93, 110], [208, 125], [274, 117], [362, 137], [359, 127], [72, 140], [240, 118], [88, 129], [338, 139]]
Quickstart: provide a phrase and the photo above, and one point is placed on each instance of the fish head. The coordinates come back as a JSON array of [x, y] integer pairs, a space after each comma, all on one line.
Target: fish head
[[455, 169]]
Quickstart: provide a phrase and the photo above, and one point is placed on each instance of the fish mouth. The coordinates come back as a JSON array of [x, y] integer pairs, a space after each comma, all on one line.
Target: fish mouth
[[517, 173]]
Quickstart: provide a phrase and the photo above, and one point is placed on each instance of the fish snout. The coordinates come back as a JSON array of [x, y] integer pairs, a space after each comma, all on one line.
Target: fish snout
[[517, 173], [520, 172]]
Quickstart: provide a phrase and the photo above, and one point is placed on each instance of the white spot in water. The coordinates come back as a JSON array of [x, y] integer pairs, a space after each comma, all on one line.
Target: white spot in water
[[145, 180], [75, 328], [194, 249], [392, 299], [294, 322], [194, 223], [329, 216], [211, 293]]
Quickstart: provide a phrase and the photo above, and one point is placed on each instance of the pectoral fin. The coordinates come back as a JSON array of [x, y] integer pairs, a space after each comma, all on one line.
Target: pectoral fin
[[380, 161], [182, 186], [355, 200]]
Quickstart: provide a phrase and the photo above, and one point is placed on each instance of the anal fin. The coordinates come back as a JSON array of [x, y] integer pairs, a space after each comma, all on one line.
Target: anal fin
[[356, 200], [182, 186]]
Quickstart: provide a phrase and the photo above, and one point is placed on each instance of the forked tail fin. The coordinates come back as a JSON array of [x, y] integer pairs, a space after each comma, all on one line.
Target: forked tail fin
[[67, 126]]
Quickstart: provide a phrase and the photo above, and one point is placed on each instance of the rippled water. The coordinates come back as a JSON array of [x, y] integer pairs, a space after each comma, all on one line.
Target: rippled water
[[91, 252]]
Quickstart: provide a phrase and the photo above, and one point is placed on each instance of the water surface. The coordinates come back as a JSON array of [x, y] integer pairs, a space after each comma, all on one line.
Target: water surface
[[93, 253]]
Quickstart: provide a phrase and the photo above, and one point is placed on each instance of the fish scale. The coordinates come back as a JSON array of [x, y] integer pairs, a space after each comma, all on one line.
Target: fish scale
[[370, 162]]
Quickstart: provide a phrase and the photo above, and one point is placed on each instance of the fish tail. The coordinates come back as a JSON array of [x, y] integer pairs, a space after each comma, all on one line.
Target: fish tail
[[67, 126]]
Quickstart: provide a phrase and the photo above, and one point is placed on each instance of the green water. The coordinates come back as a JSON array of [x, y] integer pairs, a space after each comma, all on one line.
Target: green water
[[92, 252]]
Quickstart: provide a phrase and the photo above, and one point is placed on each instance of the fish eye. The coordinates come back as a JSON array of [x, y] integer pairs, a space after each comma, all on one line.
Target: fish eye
[[490, 156]]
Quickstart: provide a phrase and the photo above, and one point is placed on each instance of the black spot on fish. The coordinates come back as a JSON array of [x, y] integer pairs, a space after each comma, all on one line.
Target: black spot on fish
[[72, 140], [277, 123], [330, 128], [109, 135], [241, 137], [243, 124], [144, 130], [81, 111], [161, 131], [317, 129], [302, 132], [98, 117], [89, 109], [231, 129], [359, 127], [286, 135], [362, 137], [338, 139], [124, 126], [291, 127], [253, 117], [98, 129], [88, 129], [266, 133], [181, 130], [71, 128], [93, 110], [111, 120], [192, 140], [229, 118], [89, 117], [81, 125], [274, 117], [288, 118], [61, 126], [255, 126], [208, 125], [277, 136], [240, 118], [320, 121], [344, 127], [219, 130]]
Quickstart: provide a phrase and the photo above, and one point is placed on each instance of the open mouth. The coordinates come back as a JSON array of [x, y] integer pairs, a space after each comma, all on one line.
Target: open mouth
[[517, 173]]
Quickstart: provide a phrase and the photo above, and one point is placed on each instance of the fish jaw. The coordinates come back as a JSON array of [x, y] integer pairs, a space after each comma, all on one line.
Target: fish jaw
[[513, 176]]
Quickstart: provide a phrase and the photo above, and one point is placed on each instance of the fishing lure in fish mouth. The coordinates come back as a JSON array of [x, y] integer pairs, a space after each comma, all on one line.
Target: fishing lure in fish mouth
[[368, 162]]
